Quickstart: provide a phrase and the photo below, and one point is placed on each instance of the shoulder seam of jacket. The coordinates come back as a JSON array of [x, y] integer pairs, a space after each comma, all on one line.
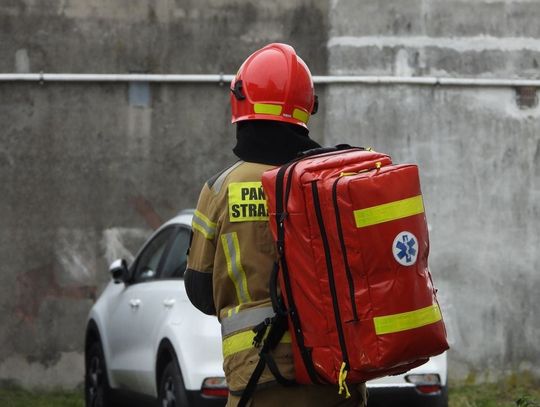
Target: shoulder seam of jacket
[[216, 182]]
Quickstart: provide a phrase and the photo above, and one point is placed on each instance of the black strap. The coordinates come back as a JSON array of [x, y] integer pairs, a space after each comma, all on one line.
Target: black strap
[[277, 330], [282, 197], [279, 323], [323, 150], [271, 363], [277, 300], [281, 215], [252, 383]]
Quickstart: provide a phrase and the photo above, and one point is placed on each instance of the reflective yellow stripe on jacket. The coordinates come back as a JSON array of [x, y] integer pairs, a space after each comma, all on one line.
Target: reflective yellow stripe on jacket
[[244, 341], [231, 248], [235, 328], [204, 225]]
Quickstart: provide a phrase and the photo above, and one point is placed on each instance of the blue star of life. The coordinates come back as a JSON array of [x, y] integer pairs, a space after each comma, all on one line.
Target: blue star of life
[[406, 247]]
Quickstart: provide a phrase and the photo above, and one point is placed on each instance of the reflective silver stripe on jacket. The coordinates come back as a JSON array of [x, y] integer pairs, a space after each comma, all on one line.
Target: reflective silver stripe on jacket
[[245, 319], [219, 182]]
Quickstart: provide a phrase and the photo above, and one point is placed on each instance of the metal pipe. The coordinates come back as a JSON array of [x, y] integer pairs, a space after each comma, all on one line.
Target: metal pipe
[[426, 80], [222, 78], [73, 77]]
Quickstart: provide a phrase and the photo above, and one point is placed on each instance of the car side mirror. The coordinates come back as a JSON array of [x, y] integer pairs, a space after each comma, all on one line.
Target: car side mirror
[[119, 271]]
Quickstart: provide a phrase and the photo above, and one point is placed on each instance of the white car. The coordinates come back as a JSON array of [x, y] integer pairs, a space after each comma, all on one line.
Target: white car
[[144, 337]]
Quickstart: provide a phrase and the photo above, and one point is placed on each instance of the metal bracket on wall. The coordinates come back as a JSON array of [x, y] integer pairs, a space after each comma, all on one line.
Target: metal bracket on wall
[[139, 94], [526, 97]]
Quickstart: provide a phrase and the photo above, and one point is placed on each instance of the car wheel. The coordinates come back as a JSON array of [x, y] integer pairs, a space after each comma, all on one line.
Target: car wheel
[[443, 401], [171, 388], [96, 385]]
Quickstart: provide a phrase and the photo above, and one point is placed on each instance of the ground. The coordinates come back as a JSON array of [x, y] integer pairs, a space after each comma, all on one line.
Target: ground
[[513, 392]]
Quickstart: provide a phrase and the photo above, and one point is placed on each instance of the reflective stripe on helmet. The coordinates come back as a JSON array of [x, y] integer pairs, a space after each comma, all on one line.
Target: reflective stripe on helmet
[[300, 115], [266, 108]]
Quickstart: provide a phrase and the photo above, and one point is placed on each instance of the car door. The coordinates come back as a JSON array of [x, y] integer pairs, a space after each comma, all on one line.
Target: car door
[[162, 305], [134, 313]]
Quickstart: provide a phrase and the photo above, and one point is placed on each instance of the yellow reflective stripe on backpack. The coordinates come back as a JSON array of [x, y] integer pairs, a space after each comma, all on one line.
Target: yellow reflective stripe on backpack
[[407, 320], [389, 211], [244, 341], [247, 202]]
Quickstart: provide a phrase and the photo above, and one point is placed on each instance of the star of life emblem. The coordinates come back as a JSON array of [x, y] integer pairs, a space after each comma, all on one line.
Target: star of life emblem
[[405, 248]]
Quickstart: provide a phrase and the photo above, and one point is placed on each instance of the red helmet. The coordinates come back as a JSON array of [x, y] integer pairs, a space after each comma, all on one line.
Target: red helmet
[[273, 83]]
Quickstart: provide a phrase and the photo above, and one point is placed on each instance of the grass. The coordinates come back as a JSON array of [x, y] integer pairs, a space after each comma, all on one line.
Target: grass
[[516, 391], [12, 397]]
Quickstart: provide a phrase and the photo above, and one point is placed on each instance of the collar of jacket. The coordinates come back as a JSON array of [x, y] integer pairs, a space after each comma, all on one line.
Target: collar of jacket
[[271, 142]]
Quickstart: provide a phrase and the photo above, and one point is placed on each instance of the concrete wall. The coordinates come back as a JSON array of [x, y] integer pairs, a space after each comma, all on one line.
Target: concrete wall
[[88, 169], [479, 158], [478, 152], [486, 38]]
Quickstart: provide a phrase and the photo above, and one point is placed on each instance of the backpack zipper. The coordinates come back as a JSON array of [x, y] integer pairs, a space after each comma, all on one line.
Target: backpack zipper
[[344, 249], [329, 268]]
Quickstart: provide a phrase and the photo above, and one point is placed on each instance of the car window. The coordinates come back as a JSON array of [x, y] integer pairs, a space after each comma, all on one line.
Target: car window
[[176, 261], [146, 268]]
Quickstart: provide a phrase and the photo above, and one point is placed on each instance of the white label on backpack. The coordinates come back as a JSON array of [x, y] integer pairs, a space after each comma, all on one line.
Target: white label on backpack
[[405, 248]]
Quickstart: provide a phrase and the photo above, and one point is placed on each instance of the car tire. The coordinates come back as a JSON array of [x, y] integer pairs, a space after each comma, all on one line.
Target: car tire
[[97, 392], [443, 401], [172, 392]]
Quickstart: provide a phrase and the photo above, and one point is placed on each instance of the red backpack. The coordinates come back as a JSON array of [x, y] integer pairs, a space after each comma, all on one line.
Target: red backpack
[[353, 272]]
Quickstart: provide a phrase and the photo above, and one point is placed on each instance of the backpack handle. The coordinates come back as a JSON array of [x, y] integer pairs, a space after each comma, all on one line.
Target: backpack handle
[[323, 150]]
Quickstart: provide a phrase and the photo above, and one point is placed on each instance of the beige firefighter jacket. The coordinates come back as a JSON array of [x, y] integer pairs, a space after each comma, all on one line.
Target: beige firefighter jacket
[[232, 242]]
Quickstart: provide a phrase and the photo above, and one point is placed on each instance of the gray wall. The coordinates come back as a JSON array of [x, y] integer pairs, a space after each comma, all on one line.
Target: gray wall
[[478, 152], [86, 171]]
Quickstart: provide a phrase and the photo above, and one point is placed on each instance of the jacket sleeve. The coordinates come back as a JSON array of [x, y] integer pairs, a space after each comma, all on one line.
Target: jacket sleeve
[[200, 267], [199, 290]]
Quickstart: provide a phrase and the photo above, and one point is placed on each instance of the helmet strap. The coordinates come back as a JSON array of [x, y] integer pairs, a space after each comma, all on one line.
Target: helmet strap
[[237, 90]]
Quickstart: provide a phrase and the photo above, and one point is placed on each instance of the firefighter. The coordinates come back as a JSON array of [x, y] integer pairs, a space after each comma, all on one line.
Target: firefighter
[[232, 251]]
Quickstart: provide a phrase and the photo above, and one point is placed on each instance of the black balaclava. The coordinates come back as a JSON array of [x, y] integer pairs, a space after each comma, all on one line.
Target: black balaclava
[[270, 142]]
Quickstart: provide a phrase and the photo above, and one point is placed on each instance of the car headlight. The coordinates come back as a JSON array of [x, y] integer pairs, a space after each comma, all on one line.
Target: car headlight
[[429, 383], [215, 387]]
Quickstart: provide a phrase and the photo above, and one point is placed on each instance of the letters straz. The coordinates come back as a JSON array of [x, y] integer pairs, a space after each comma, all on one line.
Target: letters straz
[[247, 202]]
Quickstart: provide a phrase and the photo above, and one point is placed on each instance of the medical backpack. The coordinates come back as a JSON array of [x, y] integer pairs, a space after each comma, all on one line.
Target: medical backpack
[[354, 282]]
